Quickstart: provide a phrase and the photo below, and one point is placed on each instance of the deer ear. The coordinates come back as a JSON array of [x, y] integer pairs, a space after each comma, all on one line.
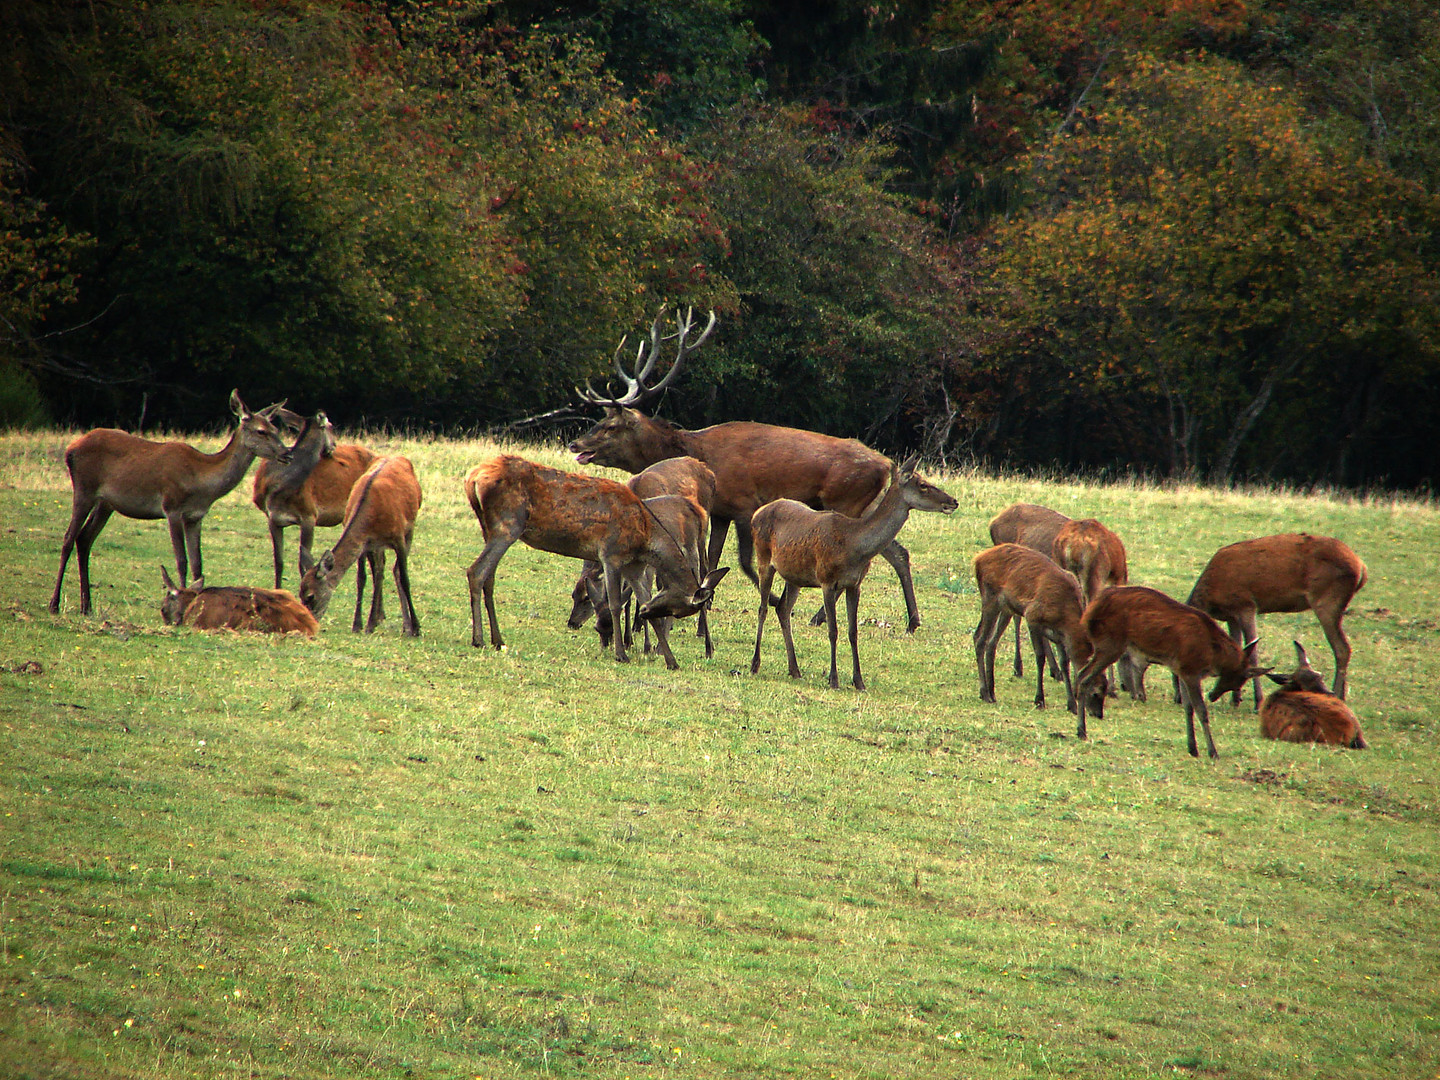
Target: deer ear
[[166, 580], [1300, 655], [1281, 679], [327, 562], [236, 405], [198, 584], [910, 464]]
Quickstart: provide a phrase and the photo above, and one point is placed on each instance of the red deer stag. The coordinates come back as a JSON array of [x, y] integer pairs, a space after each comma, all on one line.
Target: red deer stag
[[586, 517], [1032, 526], [113, 471], [832, 552], [1016, 582], [1304, 710], [270, 611], [685, 476], [312, 490], [1190, 643], [1288, 572], [380, 514], [753, 463]]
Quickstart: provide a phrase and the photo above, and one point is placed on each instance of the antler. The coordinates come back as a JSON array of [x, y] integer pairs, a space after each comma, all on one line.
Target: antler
[[636, 392]]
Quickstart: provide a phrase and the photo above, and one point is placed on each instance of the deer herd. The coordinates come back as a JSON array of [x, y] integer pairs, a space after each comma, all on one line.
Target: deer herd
[[812, 509]]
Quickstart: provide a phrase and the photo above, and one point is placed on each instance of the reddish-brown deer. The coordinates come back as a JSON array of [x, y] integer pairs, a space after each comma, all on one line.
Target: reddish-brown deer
[[114, 471], [586, 517], [1162, 630], [380, 515], [1304, 710], [1032, 526], [753, 463], [312, 490], [1016, 582], [1287, 572], [832, 552], [1093, 554], [270, 611], [685, 476]]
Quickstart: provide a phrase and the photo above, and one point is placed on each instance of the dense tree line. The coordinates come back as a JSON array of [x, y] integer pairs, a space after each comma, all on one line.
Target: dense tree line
[[1189, 237]]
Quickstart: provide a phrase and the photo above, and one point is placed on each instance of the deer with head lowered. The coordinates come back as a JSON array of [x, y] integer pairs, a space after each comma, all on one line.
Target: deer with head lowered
[[832, 552], [685, 476], [311, 490], [1146, 622], [231, 607], [113, 471], [1016, 582], [587, 517], [1035, 527], [1288, 572], [1304, 710], [380, 515], [753, 463]]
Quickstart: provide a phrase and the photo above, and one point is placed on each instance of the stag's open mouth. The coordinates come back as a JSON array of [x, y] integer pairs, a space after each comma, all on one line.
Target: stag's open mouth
[[584, 457]]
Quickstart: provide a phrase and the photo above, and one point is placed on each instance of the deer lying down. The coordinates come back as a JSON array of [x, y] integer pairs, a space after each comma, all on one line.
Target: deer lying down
[[832, 551], [1190, 643], [1014, 581], [269, 611], [1304, 710]]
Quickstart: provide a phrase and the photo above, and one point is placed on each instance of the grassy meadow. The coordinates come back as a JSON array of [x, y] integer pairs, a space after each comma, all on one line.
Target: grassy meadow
[[368, 857]]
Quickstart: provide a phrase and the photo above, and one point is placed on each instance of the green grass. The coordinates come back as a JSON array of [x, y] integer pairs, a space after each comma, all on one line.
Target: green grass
[[230, 855]]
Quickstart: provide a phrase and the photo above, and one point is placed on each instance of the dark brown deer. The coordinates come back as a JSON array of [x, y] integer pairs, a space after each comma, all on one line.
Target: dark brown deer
[[1164, 631], [586, 517], [312, 490], [832, 552], [1304, 710], [1016, 582], [269, 611], [684, 476], [114, 471], [1032, 526], [753, 463], [380, 515], [1287, 572]]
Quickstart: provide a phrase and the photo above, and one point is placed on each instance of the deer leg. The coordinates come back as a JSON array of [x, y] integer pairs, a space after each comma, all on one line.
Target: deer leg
[[1084, 677], [409, 621], [177, 546], [192, 545], [827, 597], [852, 612], [897, 556], [1330, 622], [307, 539], [1037, 645], [782, 612], [767, 578], [1052, 658], [481, 578], [1195, 703], [744, 543], [1019, 663], [80, 510], [1000, 617], [277, 549], [357, 624], [719, 526], [985, 629], [613, 597], [377, 595], [1064, 655], [96, 520]]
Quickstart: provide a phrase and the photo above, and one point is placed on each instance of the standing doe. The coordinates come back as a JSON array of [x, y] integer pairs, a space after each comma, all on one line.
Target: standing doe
[[832, 552], [113, 471], [1304, 710], [1035, 527], [1164, 631], [1287, 572], [380, 514], [587, 517], [1016, 582]]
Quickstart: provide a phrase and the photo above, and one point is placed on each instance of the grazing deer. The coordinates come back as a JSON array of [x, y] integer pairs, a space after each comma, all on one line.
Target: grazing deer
[[380, 514], [587, 517], [1016, 582], [1288, 572], [685, 476], [1096, 556], [1032, 526], [753, 463], [312, 490], [832, 552], [113, 471], [270, 611], [1304, 710], [1135, 619]]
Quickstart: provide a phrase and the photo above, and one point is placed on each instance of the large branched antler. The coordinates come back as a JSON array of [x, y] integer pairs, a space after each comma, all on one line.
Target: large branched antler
[[646, 355]]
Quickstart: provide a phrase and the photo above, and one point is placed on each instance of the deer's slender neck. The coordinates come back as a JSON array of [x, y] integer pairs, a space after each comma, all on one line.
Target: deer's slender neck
[[884, 522], [226, 467], [351, 544], [304, 456]]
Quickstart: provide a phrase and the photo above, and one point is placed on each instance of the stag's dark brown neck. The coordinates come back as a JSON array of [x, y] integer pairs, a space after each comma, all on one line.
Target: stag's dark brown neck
[[655, 440]]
